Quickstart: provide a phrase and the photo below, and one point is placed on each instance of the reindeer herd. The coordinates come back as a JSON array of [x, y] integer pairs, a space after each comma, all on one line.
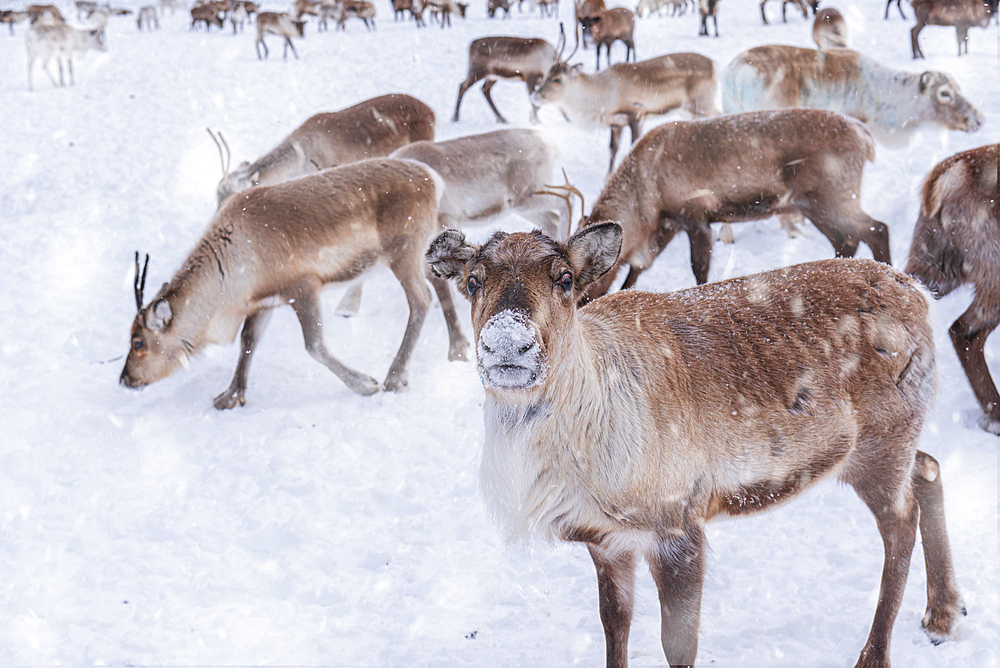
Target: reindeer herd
[[621, 419]]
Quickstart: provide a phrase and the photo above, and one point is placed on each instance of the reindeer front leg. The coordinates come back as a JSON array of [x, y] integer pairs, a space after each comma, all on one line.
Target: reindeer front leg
[[253, 327], [305, 302], [678, 567], [615, 586]]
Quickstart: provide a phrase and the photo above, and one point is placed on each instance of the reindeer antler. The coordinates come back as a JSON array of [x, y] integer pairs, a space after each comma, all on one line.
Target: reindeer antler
[[140, 281], [226, 160], [561, 44], [569, 190]]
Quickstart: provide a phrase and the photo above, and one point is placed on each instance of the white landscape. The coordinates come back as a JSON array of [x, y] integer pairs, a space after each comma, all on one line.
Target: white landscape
[[316, 526]]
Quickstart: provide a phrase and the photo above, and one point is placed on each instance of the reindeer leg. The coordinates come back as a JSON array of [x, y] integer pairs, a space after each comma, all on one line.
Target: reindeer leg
[[304, 299], [968, 335], [458, 345], [678, 568], [409, 269], [487, 87], [944, 605], [616, 138], [69, 65], [700, 238], [253, 327], [615, 587], [462, 88], [914, 35]]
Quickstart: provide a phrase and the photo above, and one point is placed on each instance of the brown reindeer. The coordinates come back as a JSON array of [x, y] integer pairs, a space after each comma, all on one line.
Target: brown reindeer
[[10, 17], [493, 58], [829, 30], [761, 164], [44, 14], [369, 129], [631, 423], [962, 14], [585, 11], [708, 9], [609, 26], [957, 242], [626, 93], [281, 244], [207, 14], [282, 25]]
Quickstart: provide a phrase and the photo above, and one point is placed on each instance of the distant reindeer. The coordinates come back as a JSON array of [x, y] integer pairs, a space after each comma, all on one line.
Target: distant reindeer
[[829, 30], [899, 6], [493, 5], [586, 11], [172, 5], [610, 26], [803, 5], [629, 424], [626, 93], [963, 14], [44, 15], [146, 18], [280, 245], [359, 9], [208, 15], [62, 42], [708, 9], [10, 17], [493, 58], [443, 9], [369, 129], [957, 242], [282, 25]]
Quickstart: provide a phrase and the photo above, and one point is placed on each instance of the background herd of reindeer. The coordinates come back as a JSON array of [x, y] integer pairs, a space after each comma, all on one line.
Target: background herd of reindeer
[[375, 187]]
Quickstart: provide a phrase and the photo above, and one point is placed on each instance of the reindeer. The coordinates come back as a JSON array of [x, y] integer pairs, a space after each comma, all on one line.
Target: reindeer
[[957, 242], [443, 9], [61, 41], [10, 17], [493, 5], [44, 15], [610, 26], [631, 423], [492, 58], [708, 9], [305, 7], [803, 5], [802, 161], [360, 9], [586, 11], [238, 16], [282, 25], [147, 18], [962, 14], [172, 5], [280, 245], [369, 129], [208, 14], [899, 6], [624, 94], [829, 30]]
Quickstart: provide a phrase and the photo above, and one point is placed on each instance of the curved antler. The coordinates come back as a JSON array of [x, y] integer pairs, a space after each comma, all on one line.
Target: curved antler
[[139, 284], [561, 44], [570, 190], [224, 160]]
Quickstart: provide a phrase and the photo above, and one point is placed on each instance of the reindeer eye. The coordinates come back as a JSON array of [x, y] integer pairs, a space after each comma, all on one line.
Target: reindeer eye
[[473, 285], [138, 344], [565, 281]]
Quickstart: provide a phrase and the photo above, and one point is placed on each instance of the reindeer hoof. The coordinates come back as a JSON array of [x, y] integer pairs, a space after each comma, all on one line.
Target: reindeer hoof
[[940, 625], [991, 425], [228, 400], [364, 385]]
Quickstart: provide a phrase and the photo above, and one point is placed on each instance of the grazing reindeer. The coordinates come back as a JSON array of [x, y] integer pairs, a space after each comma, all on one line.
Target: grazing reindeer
[[610, 26], [146, 18], [803, 5], [10, 17], [207, 14], [280, 245], [369, 129], [624, 94], [359, 9], [829, 30], [516, 164], [962, 14], [61, 41], [762, 163], [631, 423], [282, 25], [957, 242], [492, 58], [708, 9]]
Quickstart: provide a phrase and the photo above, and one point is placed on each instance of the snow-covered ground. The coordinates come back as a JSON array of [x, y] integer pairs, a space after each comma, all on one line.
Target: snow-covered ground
[[315, 526]]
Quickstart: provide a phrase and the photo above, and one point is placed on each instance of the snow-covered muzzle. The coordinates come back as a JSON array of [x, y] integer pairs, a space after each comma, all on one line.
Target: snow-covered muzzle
[[509, 354]]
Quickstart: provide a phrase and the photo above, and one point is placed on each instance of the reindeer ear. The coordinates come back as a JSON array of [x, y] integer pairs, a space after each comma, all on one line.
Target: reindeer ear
[[925, 80], [593, 251], [255, 178], [449, 253], [159, 316]]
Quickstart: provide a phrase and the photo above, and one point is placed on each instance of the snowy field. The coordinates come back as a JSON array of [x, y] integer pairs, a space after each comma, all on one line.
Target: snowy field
[[315, 526]]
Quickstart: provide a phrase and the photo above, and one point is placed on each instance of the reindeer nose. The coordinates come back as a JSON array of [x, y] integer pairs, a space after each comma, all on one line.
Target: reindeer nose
[[506, 337]]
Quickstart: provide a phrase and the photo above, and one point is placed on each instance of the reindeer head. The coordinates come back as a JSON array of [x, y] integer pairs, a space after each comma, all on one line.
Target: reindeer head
[[523, 288], [951, 108], [155, 351]]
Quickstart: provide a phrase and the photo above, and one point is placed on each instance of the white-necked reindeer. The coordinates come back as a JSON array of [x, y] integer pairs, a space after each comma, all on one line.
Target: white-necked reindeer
[[280, 245], [282, 25], [632, 422]]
